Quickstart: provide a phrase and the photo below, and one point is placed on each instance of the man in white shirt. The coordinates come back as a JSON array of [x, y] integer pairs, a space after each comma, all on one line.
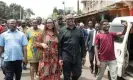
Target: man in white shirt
[[90, 43]]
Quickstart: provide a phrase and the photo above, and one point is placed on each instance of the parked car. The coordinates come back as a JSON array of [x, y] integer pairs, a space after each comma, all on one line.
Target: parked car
[[123, 47]]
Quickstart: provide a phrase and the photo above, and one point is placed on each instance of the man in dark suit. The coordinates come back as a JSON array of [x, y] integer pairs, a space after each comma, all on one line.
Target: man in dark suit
[[71, 49], [90, 44]]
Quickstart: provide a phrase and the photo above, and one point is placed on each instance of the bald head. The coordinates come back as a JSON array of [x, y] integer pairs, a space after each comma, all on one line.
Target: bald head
[[69, 16], [70, 20], [81, 25]]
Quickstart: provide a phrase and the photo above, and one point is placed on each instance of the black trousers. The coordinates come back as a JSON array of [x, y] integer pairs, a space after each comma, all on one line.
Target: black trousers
[[11, 68], [96, 68], [91, 56], [69, 67]]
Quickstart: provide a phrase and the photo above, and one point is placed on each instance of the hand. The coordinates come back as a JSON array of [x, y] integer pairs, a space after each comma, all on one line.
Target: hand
[[61, 62], [44, 45], [98, 64], [25, 61], [87, 48], [37, 44]]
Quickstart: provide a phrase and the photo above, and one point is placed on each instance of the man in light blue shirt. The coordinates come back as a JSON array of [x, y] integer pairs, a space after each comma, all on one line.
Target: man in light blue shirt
[[13, 44]]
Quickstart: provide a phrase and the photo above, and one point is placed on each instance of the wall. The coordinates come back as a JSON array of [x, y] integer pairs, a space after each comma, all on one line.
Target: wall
[[92, 5]]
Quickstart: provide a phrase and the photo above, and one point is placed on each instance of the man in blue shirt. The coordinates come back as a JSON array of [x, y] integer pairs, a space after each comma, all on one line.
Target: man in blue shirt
[[13, 44]]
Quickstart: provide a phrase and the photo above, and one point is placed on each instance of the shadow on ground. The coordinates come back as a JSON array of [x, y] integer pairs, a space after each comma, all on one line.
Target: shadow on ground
[[85, 67], [25, 74], [83, 78]]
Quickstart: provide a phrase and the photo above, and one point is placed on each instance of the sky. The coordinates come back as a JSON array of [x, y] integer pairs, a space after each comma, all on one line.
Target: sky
[[44, 8]]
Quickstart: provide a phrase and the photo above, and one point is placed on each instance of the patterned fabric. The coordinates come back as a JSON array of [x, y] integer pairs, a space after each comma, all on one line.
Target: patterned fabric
[[32, 53], [48, 65]]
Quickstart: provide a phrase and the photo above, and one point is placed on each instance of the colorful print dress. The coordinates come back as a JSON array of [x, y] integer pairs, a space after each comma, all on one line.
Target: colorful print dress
[[32, 52], [48, 65]]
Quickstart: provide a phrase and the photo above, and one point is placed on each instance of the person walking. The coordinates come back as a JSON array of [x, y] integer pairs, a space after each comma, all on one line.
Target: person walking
[[39, 22], [85, 35], [23, 28], [104, 50], [60, 22], [71, 49], [32, 53], [13, 46], [49, 68], [90, 44], [97, 28]]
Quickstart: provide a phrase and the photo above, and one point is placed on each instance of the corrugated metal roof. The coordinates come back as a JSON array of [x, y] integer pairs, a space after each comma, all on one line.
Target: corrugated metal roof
[[87, 14]]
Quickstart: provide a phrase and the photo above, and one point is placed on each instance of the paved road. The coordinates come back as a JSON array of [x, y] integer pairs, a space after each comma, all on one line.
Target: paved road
[[86, 75]]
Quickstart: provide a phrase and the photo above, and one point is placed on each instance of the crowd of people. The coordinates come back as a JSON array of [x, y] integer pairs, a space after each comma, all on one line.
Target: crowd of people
[[56, 47]]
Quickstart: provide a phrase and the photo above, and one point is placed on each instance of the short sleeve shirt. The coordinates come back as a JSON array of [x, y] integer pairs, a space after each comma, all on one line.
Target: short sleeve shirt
[[106, 46], [13, 43]]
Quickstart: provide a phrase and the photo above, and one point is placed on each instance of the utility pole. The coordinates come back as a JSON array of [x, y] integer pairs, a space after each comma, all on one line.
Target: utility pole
[[20, 13], [13, 13], [64, 7], [77, 7]]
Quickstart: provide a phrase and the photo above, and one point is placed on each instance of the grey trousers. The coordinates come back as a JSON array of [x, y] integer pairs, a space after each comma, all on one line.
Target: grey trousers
[[112, 68]]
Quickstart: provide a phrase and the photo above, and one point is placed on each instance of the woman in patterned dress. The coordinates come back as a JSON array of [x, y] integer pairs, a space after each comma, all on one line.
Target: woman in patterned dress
[[48, 65]]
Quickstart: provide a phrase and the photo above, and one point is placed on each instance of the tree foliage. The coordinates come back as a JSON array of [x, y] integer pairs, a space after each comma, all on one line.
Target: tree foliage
[[14, 11], [57, 12]]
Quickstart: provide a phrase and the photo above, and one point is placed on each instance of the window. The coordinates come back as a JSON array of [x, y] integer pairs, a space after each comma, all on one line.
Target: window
[[117, 28], [85, 4]]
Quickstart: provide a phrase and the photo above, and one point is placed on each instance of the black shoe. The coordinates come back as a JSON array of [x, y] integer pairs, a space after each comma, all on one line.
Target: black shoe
[[24, 67], [91, 69]]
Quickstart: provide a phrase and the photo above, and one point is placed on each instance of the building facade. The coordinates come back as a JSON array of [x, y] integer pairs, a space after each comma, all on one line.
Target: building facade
[[95, 5], [105, 9]]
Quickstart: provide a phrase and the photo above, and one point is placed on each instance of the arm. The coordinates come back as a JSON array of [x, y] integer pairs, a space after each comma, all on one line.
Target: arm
[[2, 44], [1, 50], [96, 53], [60, 45], [88, 38], [97, 44], [25, 52], [123, 32], [82, 44], [24, 46]]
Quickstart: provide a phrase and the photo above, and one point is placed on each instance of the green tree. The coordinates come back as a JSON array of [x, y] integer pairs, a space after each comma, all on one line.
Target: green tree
[[15, 10], [28, 13], [4, 10], [55, 10], [55, 13], [80, 11]]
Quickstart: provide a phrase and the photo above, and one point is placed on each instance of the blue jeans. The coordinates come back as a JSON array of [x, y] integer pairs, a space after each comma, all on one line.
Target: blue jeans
[[11, 68]]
